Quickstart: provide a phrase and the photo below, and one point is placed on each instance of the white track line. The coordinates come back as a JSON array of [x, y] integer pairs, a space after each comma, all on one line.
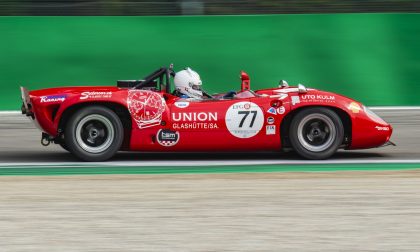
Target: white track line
[[10, 112], [195, 163], [385, 108]]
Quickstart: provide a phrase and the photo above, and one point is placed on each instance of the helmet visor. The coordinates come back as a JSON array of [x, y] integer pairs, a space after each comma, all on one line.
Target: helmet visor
[[195, 87]]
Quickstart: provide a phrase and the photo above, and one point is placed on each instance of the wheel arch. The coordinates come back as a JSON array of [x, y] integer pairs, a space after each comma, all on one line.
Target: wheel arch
[[120, 110], [344, 117]]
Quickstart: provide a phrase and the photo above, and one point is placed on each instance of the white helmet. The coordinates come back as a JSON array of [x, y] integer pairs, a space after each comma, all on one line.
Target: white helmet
[[188, 82]]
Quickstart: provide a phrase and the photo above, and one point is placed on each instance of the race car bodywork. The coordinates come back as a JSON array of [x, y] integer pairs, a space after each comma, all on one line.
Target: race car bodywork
[[94, 123]]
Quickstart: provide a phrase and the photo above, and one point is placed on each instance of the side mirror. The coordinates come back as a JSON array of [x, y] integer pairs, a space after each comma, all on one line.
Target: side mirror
[[283, 84], [302, 89]]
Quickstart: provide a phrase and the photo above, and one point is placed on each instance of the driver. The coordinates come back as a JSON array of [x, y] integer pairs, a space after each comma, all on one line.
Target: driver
[[188, 84]]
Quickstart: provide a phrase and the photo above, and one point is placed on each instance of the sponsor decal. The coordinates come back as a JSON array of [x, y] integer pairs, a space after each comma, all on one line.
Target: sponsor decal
[[244, 119], [295, 100], [95, 95], [380, 128], [270, 129], [242, 105], [167, 137], [317, 98], [182, 104], [146, 107], [270, 120], [272, 111], [53, 98], [194, 116], [280, 110], [195, 120], [354, 107], [195, 125]]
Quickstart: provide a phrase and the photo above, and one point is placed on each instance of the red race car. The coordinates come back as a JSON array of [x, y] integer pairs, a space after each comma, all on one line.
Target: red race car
[[148, 115]]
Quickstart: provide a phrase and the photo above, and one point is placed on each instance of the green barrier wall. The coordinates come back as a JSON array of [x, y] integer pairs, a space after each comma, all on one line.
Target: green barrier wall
[[374, 58]]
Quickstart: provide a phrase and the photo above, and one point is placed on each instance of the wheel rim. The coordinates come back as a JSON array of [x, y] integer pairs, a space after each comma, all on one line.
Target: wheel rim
[[94, 133], [316, 132]]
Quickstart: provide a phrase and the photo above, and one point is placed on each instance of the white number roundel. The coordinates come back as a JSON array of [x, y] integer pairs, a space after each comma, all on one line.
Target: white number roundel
[[244, 119]]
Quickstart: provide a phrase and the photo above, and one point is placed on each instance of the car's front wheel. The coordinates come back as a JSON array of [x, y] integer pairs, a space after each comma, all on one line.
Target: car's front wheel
[[316, 133], [94, 133]]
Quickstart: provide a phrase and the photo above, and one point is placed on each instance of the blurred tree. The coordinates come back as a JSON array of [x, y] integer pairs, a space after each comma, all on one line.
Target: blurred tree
[[199, 7]]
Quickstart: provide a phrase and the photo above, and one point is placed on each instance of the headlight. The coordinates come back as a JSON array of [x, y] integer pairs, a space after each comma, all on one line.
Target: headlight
[[373, 116]]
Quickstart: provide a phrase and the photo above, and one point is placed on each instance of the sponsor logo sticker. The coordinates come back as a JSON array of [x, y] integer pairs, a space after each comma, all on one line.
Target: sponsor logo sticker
[[194, 120], [194, 116], [380, 128], [167, 137], [244, 119], [182, 104], [241, 105], [270, 120], [95, 95], [317, 98], [354, 107], [280, 110], [295, 100], [146, 107], [53, 98], [270, 129], [195, 125], [272, 111]]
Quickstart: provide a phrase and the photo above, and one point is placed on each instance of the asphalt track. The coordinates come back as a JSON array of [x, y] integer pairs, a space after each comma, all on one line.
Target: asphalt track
[[225, 208]]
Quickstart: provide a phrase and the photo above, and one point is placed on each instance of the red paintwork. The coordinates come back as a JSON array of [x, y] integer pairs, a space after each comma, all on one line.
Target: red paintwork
[[365, 131], [246, 82]]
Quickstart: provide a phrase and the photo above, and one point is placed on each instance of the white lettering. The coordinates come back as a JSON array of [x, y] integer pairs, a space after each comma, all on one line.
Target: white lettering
[[195, 125], [202, 116], [176, 119], [318, 98], [212, 116], [95, 94], [53, 98], [168, 135], [382, 128], [193, 116]]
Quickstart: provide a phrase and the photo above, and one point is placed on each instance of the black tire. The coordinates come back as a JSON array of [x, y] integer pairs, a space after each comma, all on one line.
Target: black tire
[[94, 133], [316, 133]]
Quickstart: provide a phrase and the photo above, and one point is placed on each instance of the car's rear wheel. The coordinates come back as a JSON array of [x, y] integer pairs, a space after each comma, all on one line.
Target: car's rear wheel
[[94, 133], [316, 133]]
